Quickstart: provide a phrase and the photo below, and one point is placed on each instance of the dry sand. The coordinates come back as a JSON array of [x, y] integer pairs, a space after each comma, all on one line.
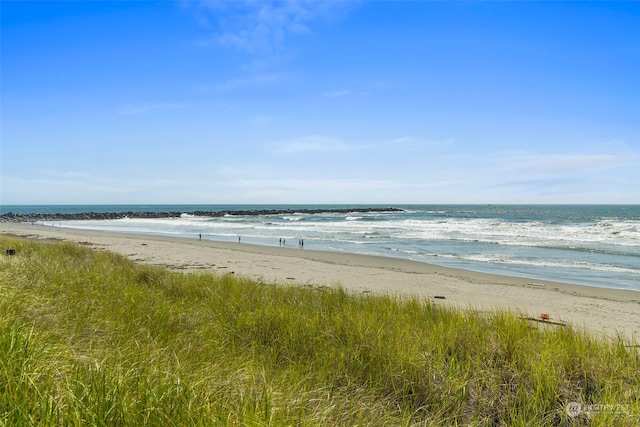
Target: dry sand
[[602, 311]]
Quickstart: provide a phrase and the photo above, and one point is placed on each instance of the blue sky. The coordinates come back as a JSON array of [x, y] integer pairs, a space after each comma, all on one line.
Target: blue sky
[[320, 102]]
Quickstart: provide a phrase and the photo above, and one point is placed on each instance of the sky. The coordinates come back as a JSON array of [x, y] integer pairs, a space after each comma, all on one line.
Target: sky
[[354, 102]]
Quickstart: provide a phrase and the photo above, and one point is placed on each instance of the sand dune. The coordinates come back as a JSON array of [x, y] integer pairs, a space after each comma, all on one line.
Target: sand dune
[[602, 311]]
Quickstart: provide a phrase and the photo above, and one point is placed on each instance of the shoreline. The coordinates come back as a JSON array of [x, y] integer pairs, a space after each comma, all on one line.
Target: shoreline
[[599, 310]]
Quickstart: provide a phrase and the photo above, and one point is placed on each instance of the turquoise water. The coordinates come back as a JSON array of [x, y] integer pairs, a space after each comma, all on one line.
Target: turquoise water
[[595, 245]]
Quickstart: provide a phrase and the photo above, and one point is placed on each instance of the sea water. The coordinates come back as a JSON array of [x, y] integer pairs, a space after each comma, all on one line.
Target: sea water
[[596, 245]]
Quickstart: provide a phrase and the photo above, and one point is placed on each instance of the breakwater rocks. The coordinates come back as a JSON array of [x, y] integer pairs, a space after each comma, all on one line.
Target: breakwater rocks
[[33, 217]]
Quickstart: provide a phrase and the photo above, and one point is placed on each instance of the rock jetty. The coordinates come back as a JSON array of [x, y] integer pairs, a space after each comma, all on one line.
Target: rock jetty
[[33, 217]]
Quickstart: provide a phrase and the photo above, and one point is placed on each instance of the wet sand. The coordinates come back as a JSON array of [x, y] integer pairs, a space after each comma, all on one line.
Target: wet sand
[[601, 311]]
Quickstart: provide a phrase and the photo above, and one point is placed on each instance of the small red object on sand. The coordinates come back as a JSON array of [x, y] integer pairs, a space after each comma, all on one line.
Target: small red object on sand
[[544, 316]]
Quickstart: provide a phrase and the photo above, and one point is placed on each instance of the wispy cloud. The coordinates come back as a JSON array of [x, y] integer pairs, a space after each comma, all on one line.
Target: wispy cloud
[[244, 171], [536, 186], [313, 143], [60, 187], [244, 82], [76, 187], [572, 163], [344, 93], [336, 94], [563, 177], [589, 189], [404, 140], [330, 190], [261, 27], [414, 141], [68, 175], [133, 109]]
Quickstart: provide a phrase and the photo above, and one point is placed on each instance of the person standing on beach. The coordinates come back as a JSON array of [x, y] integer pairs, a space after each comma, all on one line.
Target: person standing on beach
[[200, 236]]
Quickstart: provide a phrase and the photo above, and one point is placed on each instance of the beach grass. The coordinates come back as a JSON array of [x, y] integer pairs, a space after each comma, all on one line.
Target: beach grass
[[91, 338]]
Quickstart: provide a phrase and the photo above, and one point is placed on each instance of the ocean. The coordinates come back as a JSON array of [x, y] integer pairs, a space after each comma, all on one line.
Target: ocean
[[597, 245]]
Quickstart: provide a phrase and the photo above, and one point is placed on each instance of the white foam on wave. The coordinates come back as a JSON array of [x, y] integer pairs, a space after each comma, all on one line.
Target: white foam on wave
[[497, 259], [612, 233], [532, 233]]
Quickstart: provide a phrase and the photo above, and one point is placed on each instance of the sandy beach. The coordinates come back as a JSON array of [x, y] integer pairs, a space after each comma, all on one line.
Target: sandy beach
[[601, 311]]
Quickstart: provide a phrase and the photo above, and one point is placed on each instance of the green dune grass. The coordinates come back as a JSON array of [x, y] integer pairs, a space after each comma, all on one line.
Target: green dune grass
[[90, 338]]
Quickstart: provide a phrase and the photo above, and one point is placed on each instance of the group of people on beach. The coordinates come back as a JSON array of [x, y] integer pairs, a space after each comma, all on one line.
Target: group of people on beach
[[283, 242]]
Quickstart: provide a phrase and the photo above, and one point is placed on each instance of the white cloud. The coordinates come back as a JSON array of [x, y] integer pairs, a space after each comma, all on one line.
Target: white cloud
[[572, 163], [71, 189], [344, 93], [336, 94], [144, 108], [261, 27], [315, 184], [245, 170], [404, 140], [67, 175], [335, 190], [564, 178], [244, 82], [314, 143], [410, 140]]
